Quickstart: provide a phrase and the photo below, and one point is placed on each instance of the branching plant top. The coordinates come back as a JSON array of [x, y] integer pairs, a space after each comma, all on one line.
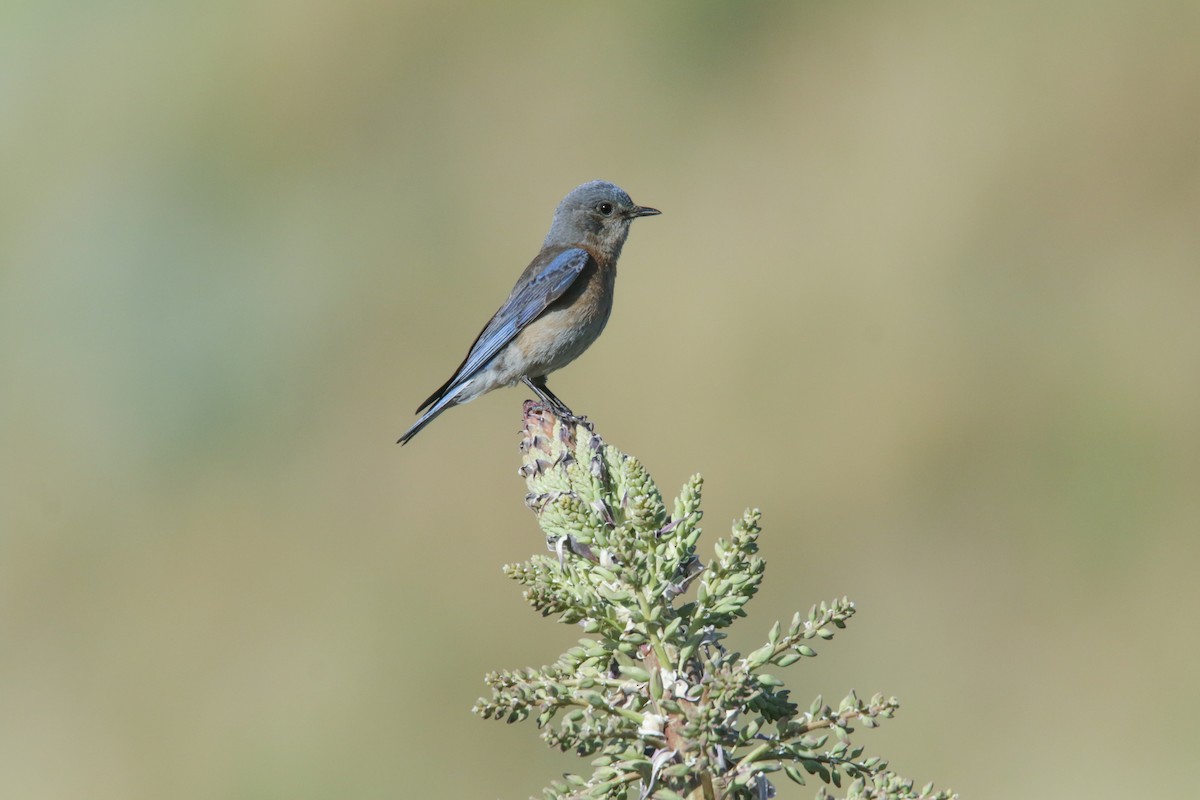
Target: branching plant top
[[651, 695]]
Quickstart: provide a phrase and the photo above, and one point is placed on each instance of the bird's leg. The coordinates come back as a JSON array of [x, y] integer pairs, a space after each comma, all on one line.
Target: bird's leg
[[556, 406], [539, 387]]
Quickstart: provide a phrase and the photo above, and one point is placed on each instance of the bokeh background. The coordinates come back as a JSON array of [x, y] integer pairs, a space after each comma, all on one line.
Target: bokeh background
[[926, 288]]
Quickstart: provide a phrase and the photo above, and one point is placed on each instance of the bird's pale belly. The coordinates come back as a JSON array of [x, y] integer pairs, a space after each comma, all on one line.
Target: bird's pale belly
[[556, 339]]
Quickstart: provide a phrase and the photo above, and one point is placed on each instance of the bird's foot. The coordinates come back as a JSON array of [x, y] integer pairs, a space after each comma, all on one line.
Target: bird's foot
[[570, 418]]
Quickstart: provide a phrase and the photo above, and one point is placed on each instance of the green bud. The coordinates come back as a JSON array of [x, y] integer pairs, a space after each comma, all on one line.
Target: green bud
[[634, 673], [759, 657]]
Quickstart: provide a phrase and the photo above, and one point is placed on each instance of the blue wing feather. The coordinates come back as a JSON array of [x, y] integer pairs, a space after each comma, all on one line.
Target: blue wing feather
[[527, 301]]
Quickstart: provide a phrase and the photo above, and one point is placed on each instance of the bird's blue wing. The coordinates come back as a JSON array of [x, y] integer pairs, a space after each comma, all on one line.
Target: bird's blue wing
[[527, 301], [524, 305]]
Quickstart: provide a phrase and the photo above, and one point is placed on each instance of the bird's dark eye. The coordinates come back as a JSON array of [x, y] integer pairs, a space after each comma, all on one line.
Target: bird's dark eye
[[605, 208]]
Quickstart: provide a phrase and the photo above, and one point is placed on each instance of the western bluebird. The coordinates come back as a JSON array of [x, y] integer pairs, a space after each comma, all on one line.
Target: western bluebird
[[557, 308]]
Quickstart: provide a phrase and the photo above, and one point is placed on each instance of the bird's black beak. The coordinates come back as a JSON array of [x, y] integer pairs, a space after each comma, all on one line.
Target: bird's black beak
[[643, 211]]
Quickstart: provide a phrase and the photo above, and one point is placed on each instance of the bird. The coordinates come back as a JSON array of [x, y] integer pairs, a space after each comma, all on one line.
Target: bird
[[557, 308]]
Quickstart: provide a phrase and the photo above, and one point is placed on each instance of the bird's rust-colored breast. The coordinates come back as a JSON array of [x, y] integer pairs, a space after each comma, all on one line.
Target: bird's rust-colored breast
[[571, 323]]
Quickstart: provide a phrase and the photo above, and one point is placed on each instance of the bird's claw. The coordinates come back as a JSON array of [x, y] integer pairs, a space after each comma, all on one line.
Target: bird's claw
[[569, 417], [572, 419]]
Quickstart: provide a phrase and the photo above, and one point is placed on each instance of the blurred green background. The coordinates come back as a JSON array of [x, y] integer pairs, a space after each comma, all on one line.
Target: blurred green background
[[926, 288]]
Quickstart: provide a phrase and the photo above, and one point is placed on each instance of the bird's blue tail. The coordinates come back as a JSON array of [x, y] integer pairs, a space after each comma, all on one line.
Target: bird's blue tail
[[447, 400]]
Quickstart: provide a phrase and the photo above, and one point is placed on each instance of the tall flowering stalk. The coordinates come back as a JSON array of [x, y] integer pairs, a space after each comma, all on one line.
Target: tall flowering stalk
[[663, 709]]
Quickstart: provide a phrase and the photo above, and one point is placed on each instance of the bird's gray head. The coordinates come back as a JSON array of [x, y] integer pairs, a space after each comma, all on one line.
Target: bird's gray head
[[596, 214]]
